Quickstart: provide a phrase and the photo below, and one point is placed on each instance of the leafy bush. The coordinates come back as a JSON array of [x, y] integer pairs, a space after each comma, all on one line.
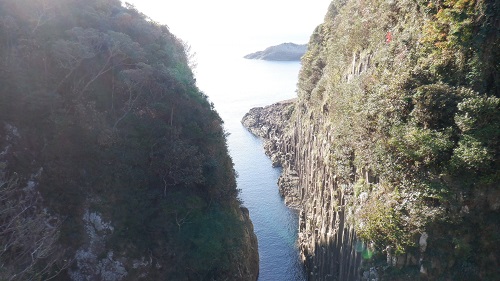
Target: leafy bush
[[423, 146], [380, 223], [434, 106], [471, 154]]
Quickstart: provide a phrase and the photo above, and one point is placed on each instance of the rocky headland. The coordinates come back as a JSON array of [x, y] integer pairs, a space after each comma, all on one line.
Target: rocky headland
[[269, 123], [282, 52]]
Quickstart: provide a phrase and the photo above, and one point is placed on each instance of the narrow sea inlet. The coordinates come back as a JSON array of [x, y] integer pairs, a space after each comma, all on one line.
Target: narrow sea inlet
[[235, 87]]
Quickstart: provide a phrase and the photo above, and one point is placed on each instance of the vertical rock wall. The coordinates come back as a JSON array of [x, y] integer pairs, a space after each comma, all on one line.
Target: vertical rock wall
[[327, 241]]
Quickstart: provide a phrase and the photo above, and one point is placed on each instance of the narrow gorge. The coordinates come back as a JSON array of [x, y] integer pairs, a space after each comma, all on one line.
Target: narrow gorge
[[390, 151]]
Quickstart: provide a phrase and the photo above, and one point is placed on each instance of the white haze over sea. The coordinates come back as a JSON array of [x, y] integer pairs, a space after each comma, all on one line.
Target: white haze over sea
[[221, 32], [233, 26]]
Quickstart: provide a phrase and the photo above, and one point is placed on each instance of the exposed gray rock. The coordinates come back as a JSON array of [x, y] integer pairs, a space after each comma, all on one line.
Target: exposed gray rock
[[288, 184], [282, 52], [326, 240], [88, 264], [423, 241], [268, 123]]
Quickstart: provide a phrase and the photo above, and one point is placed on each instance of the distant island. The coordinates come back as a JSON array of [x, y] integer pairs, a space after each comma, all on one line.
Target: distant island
[[282, 52]]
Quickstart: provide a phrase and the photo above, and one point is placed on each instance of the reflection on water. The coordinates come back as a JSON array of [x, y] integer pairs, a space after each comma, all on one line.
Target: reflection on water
[[235, 86]]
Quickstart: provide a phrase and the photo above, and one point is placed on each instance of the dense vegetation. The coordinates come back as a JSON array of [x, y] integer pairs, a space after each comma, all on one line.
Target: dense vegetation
[[410, 90], [100, 117]]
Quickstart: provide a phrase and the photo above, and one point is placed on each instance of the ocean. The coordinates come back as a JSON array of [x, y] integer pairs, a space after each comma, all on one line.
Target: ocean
[[235, 85]]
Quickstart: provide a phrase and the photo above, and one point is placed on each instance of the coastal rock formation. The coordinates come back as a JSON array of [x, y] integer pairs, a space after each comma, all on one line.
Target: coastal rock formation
[[269, 123], [282, 52], [391, 147], [328, 245]]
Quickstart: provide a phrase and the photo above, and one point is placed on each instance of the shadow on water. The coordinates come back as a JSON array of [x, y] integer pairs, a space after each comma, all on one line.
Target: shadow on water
[[274, 223]]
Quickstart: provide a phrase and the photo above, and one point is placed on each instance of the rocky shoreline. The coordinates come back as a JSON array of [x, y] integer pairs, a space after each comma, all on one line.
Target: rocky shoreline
[[325, 240], [269, 123]]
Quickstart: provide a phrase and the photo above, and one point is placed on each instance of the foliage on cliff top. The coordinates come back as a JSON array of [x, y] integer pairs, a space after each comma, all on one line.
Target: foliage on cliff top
[[411, 92], [105, 103]]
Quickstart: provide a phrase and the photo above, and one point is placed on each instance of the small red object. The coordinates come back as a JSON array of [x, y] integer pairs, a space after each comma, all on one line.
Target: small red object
[[388, 37]]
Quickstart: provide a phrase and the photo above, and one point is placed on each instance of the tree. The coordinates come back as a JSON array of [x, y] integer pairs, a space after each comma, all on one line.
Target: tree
[[28, 234], [104, 51]]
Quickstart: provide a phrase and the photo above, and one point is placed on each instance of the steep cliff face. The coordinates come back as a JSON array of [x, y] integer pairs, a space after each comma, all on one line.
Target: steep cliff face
[[394, 139], [113, 164], [328, 245]]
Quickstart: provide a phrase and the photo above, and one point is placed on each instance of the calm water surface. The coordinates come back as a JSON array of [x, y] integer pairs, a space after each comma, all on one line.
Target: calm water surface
[[235, 85]]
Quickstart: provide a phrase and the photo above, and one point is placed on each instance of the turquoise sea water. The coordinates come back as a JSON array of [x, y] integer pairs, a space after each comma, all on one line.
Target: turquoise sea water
[[235, 85]]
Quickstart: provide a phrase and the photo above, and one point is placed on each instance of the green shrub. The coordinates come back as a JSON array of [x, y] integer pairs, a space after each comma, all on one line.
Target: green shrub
[[471, 154], [422, 146], [380, 223]]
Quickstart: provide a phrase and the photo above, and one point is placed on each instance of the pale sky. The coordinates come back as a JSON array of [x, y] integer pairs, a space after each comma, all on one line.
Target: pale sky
[[242, 26]]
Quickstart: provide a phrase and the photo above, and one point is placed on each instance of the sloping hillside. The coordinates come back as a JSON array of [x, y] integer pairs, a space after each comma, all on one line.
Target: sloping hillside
[[113, 164]]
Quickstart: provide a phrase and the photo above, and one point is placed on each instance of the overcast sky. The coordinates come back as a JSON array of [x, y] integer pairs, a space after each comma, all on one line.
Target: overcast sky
[[243, 26]]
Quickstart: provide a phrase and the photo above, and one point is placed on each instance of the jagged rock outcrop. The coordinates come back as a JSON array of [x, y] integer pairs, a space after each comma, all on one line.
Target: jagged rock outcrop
[[93, 261], [269, 123], [281, 52]]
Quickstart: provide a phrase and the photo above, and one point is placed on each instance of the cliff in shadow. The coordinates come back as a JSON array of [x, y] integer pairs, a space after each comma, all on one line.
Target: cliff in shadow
[[113, 164], [392, 143]]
